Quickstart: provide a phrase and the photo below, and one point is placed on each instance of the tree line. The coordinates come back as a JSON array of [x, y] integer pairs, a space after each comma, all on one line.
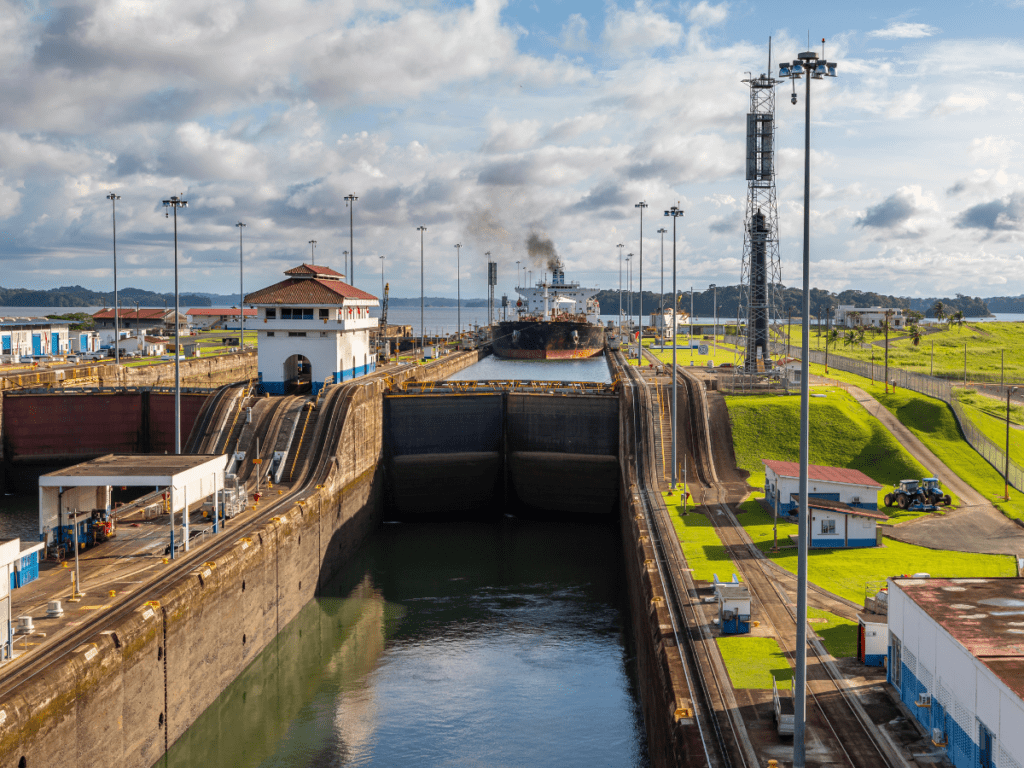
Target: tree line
[[77, 296]]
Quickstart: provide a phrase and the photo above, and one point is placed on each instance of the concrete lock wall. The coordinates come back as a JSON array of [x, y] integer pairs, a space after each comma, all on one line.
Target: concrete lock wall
[[460, 452], [124, 696]]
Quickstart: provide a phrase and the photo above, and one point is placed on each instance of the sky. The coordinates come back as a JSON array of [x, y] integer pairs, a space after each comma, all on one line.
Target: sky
[[489, 121]]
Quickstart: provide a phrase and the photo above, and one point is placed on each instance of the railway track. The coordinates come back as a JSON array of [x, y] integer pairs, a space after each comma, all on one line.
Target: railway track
[[841, 722], [314, 471]]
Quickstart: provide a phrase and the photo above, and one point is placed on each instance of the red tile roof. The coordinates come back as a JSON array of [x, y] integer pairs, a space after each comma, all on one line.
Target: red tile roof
[[219, 312], [143, 314], [824, 474], [837, 506], [299, 291], [313, 269]]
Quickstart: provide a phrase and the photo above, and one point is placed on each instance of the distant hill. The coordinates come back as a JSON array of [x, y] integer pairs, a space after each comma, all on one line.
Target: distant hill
[[77, 296], [1006, 303]]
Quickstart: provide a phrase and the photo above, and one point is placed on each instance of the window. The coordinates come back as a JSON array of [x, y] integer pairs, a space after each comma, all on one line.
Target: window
[[296, 333], [270, 333], [828, 526], [324, 313], [296, 313], [271, 313], [896, 663]]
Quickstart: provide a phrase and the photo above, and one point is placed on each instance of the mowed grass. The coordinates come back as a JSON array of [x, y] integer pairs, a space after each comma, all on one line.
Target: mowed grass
[[934, 424], [848, 572], [992, 421], [842, 434], [838, 635], [752, 661], [724, 354], [990, 347], [703, 550]]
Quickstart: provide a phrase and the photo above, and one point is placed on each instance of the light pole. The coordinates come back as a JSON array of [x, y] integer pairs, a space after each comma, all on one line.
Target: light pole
[[117, 323], [661, 305], [640, 310], [351, 202], [175, 203], [815, 68], [714, 333], [382, 276], [458, 285], [675, 212], [138, 332], [312, 251], [421, 230], [1006, 468], [629, 291], [620, 246], [241, 291]]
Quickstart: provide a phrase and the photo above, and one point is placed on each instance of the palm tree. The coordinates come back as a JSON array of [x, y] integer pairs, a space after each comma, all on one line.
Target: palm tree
[[915, 334], [957, 318], [939, 310], [850, 339], [831, 336]]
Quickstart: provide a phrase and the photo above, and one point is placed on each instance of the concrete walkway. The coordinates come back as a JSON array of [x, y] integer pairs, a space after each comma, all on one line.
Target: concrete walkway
[[976, 526]]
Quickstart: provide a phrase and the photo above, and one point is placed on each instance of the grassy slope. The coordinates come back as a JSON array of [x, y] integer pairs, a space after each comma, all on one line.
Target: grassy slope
[[843, 434], [993, 423], [752, 661], [838, 635], [933, 423], [848, 573], [702, 548]]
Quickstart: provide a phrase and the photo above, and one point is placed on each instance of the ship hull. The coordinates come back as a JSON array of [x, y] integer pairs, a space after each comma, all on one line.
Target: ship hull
[[556, 340]]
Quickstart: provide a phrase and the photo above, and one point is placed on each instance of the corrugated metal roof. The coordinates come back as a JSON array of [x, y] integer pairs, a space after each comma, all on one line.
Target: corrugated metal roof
[[986, 616], [791, 469], [299, 291], [837, 506]]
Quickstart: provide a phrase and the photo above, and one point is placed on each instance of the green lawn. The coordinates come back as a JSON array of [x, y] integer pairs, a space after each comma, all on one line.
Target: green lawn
[[752, 661], [838, 635], [724, 354], [992, 421], [932, 421], [843, 434], [986, 343], [848, 573], [701, 546]]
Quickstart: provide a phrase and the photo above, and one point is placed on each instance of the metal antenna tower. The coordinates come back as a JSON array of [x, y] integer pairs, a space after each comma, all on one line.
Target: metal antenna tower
[[761, 271]]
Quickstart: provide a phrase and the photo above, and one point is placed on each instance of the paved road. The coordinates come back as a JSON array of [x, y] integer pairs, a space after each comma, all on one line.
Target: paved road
[[976, 526]]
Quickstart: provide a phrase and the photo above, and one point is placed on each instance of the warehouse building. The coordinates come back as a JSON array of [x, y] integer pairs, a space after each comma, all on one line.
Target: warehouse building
[[850, 486], [314, 328], [956, 657], [33, 336]]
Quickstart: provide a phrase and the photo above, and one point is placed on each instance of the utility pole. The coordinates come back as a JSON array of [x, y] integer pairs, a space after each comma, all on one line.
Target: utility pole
[[351, 200], [675, 212], [640, 310], [175, 203], [241, 292], [117, 323]]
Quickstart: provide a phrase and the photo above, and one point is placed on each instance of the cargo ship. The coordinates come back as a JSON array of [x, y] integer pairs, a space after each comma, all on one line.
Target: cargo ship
[[555, 320]]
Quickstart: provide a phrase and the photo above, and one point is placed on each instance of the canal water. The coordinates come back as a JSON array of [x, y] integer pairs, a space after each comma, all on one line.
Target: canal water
[[497, 643]]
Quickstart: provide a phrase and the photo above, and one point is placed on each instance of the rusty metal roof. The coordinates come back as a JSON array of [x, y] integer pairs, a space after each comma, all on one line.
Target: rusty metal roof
[[791, 469], [837, 506], [299, 291], [986, 616]]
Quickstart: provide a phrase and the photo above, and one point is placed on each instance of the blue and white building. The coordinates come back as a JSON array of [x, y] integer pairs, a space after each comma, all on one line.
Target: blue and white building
[[850, 486], [956, 658], [835, 525], [34, 336], [313, 326], [19, 565]]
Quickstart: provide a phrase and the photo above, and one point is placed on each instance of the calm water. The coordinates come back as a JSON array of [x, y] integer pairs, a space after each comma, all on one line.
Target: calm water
[[502, 643], [493, 368], [19, 516]]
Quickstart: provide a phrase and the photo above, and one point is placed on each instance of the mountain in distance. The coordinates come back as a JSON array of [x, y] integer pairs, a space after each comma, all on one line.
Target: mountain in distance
[[77, 296]]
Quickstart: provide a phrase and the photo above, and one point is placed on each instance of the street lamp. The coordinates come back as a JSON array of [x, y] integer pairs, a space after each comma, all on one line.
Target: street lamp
[[815, 68], [620, 246], [458, 285], [117, 323], [1006, 469], [629, 291], [241, 291], [640, 310], [661, 306], [382, 276], [421, 230], [714, 333], [350, 201], [312, 253], [175, 203], [675, 212]]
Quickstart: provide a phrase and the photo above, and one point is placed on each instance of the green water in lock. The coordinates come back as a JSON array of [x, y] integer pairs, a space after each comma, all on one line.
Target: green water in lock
[[498, 643]]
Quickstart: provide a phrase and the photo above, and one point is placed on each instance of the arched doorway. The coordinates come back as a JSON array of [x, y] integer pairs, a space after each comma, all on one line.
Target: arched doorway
[[298, 374]]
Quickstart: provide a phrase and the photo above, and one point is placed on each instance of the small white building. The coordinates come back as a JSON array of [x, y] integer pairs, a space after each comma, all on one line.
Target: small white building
[[33, 336], [225, 318], [137, 321], [312, 327], [852, 316], [662, 321], [149, 346], [835, 525], [82, 342], [850, 486], [956, 659]]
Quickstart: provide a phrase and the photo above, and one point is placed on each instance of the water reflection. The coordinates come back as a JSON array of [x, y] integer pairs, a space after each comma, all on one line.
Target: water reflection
[[493, 368], [500, 643]]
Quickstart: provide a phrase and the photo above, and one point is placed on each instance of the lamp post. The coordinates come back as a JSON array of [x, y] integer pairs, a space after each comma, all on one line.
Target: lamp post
[[640, 310], [1006, 468], [138, 332], [117, 323], [714, 333], [421, 230], [620, 246], [661, 305], [675, 212], [458, 285], [815, 68], [312, 251], [241, 291], [175, 203], [351, 202], [629, 291], [382, 276]]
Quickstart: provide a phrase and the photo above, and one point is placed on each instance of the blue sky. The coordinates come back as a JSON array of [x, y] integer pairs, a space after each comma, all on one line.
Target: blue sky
[[488, 121]]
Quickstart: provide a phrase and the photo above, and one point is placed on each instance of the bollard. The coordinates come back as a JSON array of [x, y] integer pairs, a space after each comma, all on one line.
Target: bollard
[[166, 560], [113, 593]]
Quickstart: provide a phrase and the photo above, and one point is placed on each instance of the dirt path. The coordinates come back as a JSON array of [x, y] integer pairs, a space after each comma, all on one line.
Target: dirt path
[[976, 526]]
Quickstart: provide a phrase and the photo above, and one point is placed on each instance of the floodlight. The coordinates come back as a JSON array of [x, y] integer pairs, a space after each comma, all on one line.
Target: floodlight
[[798, 68], [820, 68], [784, 70], [831, 69]]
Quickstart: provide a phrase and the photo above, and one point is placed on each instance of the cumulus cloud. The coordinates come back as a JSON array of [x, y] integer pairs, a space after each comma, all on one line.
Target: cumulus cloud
[[898, 30], [574, 33], [891, 212], [703, 14], [641, 29], [998, 215]]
